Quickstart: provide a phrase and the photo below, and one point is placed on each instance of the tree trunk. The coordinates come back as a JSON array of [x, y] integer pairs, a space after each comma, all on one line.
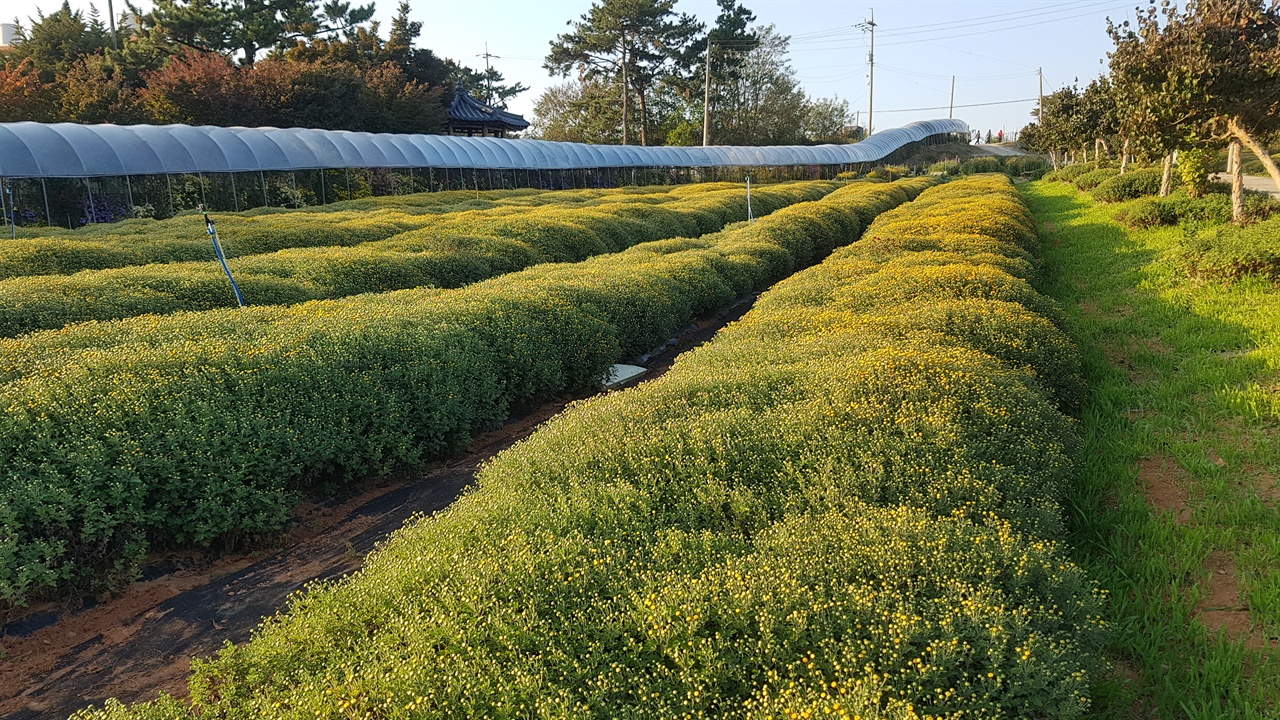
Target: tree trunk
[[1238, 130], [1124, 157], [1237, 181], [1167, 175], [624, 89], [644, 118], [1053, 158]]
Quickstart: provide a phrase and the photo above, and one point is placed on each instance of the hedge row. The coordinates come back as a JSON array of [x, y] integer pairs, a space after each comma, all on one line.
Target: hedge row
[[1014, 165], [844, 506], [1211, 208], [1091, 180], [183, 238], [1069, 173], [1133, 184], [1233, 252], [452, 251], [200, 428]]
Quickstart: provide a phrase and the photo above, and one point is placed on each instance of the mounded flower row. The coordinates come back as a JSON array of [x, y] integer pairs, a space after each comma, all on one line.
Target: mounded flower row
[[201, 428], [380, 252], [846, 505]]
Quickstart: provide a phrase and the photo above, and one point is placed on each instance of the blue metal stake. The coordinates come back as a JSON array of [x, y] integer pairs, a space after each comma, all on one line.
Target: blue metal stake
[[217, 249], [13, 219]]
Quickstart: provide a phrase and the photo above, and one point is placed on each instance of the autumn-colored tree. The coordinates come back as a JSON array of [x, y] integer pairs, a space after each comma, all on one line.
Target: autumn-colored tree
[[22, 95], [198, 88]]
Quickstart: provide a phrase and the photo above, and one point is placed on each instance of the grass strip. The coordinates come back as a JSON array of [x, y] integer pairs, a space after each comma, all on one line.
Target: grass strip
[[845, 505], [1175, 507]]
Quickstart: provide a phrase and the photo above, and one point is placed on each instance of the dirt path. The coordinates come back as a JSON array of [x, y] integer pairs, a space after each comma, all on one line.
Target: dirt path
[[135, 645]]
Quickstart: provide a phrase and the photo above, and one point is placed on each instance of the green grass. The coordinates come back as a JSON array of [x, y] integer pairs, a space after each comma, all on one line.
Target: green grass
[[1183, 373]]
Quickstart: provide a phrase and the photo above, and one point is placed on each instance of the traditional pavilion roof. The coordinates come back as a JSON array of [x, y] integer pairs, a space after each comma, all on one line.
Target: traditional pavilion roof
[[466, 109]]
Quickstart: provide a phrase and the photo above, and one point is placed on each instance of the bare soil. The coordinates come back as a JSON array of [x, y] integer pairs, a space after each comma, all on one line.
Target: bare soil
[[57, 659], [1164, 483], [1223, 609]]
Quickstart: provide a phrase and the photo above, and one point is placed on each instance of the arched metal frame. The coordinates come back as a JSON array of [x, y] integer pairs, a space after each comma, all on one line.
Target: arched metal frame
[[67, 150]]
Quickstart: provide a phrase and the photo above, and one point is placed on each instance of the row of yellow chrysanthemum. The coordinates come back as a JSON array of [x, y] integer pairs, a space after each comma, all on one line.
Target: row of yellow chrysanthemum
[[348, 253], [200, 428], [847, 505]]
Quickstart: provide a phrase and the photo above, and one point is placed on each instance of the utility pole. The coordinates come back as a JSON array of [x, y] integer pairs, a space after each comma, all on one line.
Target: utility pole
[[1040, 106], [706, 99], [951, 112], [625, 87], [488, 79], [870, 25], [111, 21]]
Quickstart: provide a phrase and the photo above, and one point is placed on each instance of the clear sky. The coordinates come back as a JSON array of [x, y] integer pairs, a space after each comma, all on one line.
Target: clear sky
[[993, 48]]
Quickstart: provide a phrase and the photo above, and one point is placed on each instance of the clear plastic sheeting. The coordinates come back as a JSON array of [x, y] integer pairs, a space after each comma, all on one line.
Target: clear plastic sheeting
[[67, 150]]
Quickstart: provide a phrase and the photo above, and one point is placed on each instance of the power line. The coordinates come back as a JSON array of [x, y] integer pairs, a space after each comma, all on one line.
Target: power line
[[1039, 13], [944, 107], [980, 55], [1000, 29], [913, 73], [964, 22], [948, 37]]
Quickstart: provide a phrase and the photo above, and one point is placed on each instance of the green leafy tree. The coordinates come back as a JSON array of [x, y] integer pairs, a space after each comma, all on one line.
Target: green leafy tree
[[631, 44], [764, 104], [577, 111], [248, 26], [95, 90], [727, 45], [55, 42], [488, 85], [1060, 127], [1205, 70], [1097, 114], [826, 120]]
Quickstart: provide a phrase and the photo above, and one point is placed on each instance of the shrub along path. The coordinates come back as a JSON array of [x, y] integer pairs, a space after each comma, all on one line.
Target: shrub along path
[[140, 643], [1177, 508]]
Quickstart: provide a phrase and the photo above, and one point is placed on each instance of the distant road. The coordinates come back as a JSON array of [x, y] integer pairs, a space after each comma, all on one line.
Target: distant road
[[1005, 150], [1261, 183]]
